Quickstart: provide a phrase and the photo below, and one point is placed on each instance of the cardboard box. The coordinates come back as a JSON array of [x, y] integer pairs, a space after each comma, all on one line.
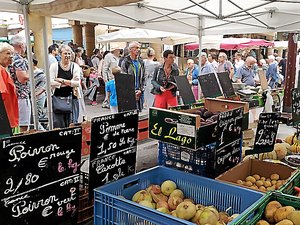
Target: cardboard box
[[183, 128], [248, 134], [255, 166]]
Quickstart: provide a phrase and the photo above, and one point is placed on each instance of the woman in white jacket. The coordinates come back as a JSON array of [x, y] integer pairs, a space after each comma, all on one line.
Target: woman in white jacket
[[65, 81]]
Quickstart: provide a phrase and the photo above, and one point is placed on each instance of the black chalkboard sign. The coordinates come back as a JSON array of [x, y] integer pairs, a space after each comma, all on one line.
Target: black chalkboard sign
[[185, 89], [209, 85], [228, 156], [39, 181], [113, 148], [265, 133], [125, 92], [229, 126], [5, 129], [226, 84], [295, 105]]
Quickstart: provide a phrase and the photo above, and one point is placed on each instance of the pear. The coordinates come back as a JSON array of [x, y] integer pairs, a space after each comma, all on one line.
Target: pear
[[168, 187], [163, 210], [147, 204], [142, 195], [196, 218], [177, 192], [208, 217], [186, 210], [294, 217]]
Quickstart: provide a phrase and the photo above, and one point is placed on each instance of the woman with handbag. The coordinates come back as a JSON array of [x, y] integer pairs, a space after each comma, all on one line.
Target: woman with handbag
[[163, 81], [65, 81]]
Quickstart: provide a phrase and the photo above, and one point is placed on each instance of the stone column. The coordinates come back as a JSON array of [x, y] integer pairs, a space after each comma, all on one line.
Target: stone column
[[77, 32], [290, 73], [37, 24], [89, 33]]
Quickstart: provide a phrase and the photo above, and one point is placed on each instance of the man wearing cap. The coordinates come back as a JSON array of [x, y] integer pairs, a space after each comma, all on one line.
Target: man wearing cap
[[134, 65], [111, 60]]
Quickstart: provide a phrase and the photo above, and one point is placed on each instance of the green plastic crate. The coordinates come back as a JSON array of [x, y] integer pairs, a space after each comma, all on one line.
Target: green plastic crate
[[255, 213], [288, 187]]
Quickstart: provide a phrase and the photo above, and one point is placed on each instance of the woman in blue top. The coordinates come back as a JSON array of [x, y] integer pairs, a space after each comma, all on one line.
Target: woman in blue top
[[192, 72]]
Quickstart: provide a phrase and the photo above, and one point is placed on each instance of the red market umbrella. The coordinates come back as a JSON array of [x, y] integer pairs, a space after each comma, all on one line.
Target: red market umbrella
[[234, 44]]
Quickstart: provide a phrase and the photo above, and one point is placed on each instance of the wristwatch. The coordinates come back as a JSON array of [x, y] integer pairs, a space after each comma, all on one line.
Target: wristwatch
[[63, 81]]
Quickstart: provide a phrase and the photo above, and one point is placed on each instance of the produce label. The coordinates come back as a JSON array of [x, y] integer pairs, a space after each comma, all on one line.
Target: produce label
[[113, 148], [39, 181]]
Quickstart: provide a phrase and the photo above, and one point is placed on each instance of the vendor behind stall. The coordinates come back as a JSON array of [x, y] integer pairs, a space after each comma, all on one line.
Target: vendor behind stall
[[245, 74]]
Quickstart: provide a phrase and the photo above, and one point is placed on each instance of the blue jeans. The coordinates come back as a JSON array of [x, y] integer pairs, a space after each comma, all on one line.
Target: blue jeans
[[75, 111]]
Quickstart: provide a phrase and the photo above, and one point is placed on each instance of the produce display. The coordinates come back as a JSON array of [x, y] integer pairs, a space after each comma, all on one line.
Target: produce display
[[293, 160], [167, 198], [258, 182], [277, 214], [206, 116]]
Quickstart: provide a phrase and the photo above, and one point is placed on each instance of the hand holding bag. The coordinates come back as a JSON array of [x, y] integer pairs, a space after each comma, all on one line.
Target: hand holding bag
[[62, 104]]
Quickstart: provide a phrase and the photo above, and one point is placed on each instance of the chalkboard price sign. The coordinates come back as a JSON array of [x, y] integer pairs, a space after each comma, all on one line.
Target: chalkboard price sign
[[295, 105], [113, 148], [185, 89], [209, 85], [266, 133], [39, 181], [229, 126], [228, 156], [226, 84]]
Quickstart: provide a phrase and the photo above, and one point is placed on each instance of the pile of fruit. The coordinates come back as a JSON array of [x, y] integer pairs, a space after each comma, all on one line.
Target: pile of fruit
[[262, 183], [207, 117], [294, 143], [277, 214], [279, 152], [168, 199]]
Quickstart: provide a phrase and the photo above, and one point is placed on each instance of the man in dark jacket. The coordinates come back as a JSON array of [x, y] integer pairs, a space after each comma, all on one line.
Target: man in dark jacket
[[134, 65]]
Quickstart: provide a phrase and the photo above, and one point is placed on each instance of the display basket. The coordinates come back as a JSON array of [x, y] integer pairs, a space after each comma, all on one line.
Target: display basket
[[112, 206], [256, 212], [200, 161], [288, 187]]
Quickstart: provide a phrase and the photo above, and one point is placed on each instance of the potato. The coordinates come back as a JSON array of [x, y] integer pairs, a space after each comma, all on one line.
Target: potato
[[271, 209], [256, 176], [248, 183], [262, 188], [267, 184], [251, 179], [259, 183], [274, 176], [263, 178]]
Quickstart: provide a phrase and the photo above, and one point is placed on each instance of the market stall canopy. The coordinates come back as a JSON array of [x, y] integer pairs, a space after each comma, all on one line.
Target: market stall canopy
[[52, 7], [283, 44], [146, 36], [231, 44], [191, 17]]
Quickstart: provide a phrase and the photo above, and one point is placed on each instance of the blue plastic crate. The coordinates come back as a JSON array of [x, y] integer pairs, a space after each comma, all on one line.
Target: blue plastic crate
[[200, 161], [110, 209]]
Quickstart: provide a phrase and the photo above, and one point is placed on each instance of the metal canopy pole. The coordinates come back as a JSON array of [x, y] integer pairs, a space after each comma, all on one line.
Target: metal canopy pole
[[30, 64], [47, 72], [200, 31]]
